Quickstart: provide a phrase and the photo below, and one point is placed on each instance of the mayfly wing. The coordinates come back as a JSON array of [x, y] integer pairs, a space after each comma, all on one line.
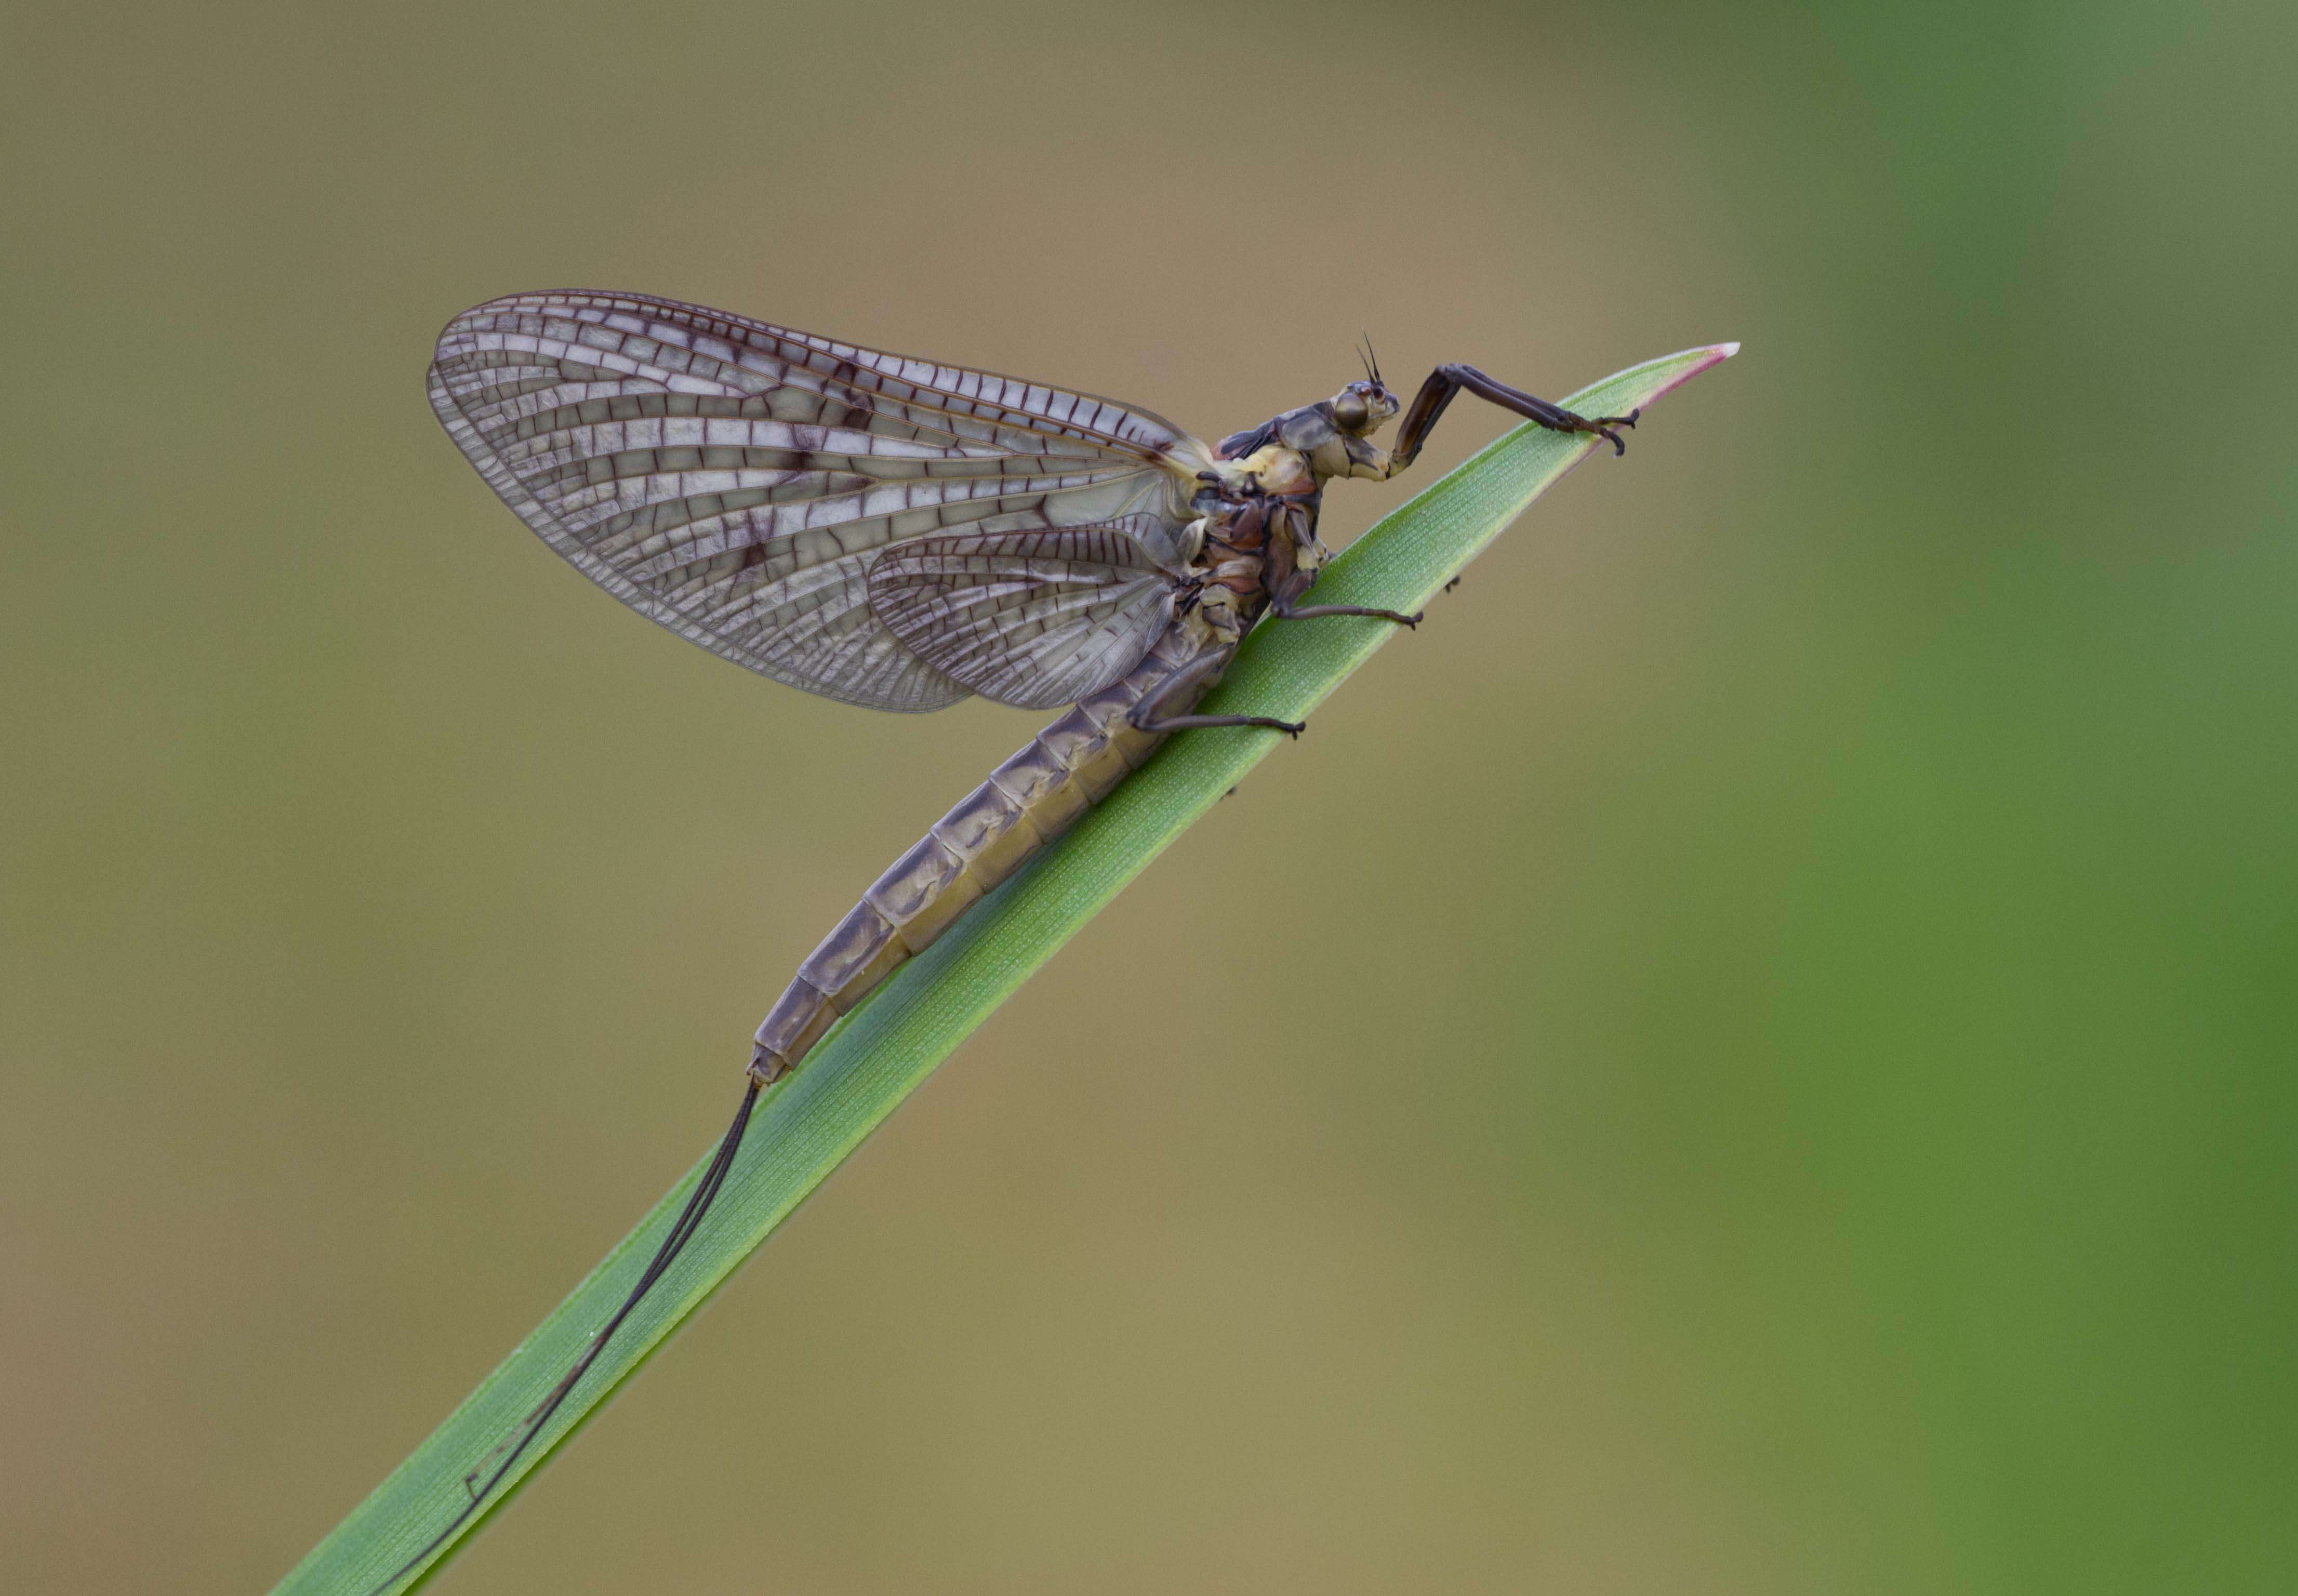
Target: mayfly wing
[[1033, 619], [735, 480]]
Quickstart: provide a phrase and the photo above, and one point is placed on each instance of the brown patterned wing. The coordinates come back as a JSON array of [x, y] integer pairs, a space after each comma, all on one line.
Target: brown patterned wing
[[1033, 619], [735, 481]]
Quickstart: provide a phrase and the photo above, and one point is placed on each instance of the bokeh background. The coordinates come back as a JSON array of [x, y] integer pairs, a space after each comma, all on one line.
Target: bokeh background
[[1755, 1053]]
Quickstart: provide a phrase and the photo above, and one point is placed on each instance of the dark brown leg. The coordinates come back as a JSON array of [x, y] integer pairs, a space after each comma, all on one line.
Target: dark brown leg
[[1310, 612], [1200, 723], [1445, 380], [1185, 684], [1292, 584]]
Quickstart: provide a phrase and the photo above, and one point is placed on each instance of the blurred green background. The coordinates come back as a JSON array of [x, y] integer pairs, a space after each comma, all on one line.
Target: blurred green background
[[1752, 1054]]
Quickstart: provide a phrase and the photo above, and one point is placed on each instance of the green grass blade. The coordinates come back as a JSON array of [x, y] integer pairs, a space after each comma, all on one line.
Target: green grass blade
[[808, 1124]]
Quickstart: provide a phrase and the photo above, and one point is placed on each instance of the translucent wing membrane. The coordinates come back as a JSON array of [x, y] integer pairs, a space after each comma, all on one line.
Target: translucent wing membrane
[[1033, 619], [735, 480]]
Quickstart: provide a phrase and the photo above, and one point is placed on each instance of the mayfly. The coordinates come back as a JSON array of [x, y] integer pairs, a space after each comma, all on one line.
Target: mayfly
[[901, 534]]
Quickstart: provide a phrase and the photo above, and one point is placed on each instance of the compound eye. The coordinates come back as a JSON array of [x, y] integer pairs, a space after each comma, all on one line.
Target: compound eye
[[1349, 409]]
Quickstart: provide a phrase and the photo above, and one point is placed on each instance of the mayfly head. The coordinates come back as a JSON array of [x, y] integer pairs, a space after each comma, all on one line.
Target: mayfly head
[[1362, 408]]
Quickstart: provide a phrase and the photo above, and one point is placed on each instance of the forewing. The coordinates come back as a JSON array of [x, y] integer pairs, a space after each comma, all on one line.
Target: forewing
[[734, 481], [1029, 618]]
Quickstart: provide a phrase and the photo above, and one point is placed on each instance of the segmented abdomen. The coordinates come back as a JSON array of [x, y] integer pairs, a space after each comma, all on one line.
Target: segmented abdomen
[[1027, 802]]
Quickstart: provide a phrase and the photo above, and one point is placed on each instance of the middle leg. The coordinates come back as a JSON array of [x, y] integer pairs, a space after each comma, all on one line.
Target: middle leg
[[1310, 612], [1186, 686], [1291, 585]]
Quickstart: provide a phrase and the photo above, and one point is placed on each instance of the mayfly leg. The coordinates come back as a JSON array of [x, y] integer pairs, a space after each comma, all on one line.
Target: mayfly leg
[[1183, 686], [1310, 612], [1446, 381], [1288, 590], [1291, 534]]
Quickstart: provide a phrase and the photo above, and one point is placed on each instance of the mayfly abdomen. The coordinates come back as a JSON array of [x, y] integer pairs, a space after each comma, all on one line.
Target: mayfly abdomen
[[1027, 802]]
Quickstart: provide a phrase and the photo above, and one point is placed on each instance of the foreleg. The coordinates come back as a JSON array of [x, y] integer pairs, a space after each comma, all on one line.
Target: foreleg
[[1446, 381]]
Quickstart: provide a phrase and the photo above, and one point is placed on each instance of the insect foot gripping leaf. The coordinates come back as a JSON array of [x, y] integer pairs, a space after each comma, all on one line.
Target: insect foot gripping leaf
[[808, 1121]]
